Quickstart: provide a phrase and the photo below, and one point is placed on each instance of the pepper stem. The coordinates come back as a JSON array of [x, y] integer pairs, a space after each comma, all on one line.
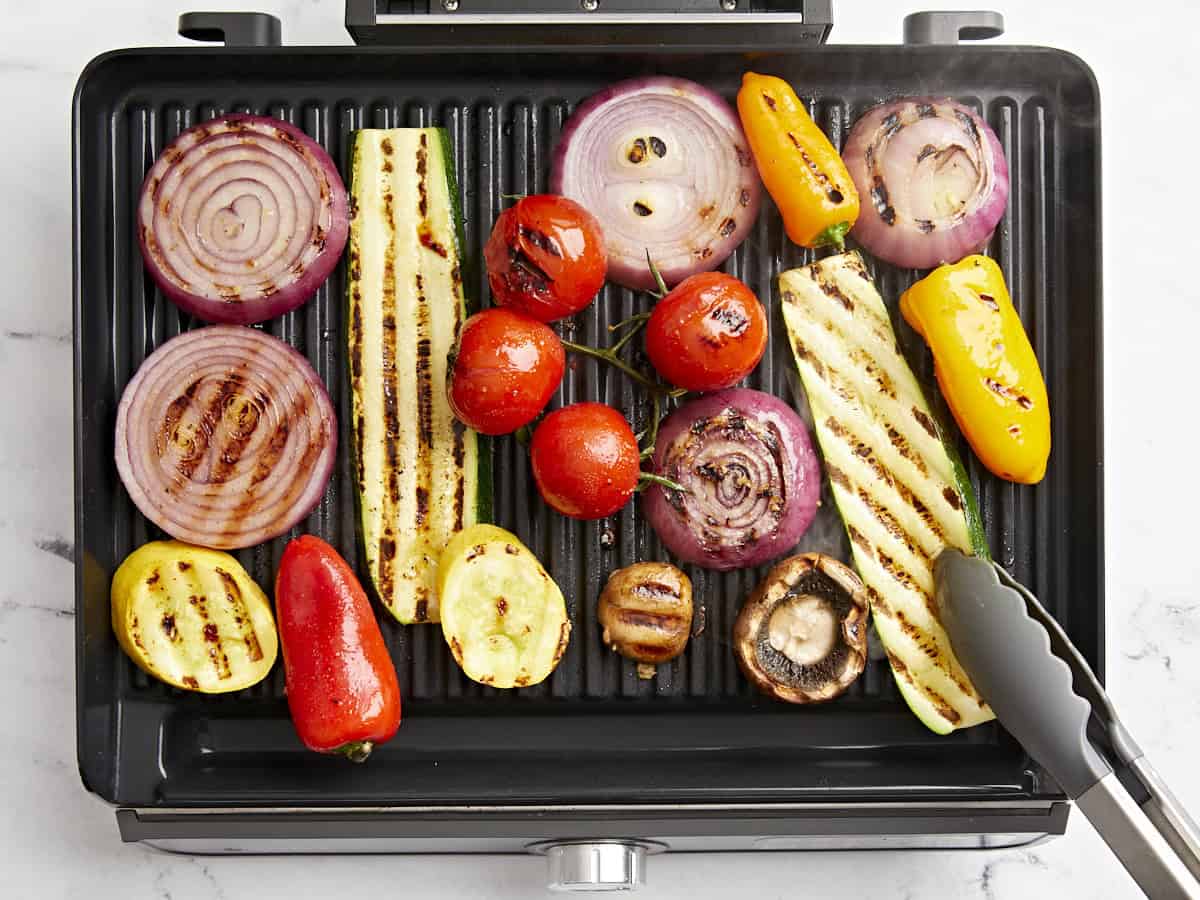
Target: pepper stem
[[356, 751], [833, 236]]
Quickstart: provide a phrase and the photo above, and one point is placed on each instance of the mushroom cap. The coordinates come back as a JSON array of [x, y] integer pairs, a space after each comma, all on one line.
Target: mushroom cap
[[645, 611], [803, 602]]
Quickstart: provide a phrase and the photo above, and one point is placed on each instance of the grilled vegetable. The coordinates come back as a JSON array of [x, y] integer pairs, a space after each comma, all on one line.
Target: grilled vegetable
[[502, 614], [421, 476], [241, 219], [936, 177], [193, 618], [708, 333], [341, 684], [585, 460], [225, 437], [545, 257], [799, 166], [646, 613], [801, 636], [900, 490], [985, 366], [751, 478], [662, 164]]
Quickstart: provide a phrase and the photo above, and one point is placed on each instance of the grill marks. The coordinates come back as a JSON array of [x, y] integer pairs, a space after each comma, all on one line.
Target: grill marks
[[1010, 394], [424, 340], [227, 430], [175, 411], [896, 494], [241, 615], [390, 383], [412, 459], [202, 434]]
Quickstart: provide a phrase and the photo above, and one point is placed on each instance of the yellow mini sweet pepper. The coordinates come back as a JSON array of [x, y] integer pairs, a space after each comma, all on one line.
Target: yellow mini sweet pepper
[[800, 168], [985, 365]]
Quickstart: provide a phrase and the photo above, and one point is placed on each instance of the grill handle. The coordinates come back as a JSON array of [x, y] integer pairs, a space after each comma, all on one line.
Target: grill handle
[[554, 24], [952, 26], [234, 29]]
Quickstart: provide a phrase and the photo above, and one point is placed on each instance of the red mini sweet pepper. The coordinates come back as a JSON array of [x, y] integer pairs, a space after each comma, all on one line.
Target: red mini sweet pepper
[[341, 684]]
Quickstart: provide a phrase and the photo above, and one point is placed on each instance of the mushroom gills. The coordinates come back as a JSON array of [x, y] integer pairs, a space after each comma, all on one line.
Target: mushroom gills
[[801, 634], [800, 644], [803, 628]]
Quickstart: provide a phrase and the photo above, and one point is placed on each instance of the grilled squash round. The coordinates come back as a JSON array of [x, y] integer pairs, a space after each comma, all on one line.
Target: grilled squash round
[[502, 614], [192, 617]]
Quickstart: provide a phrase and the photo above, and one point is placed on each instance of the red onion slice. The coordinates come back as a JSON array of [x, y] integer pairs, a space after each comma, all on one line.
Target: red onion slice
[[752, 477], [226, 437], [933, 179], [242, 218], [663, 164]]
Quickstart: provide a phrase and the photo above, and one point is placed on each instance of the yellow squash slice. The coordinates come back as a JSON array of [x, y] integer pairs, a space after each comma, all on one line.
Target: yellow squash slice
[[193, 618], [502, 614]]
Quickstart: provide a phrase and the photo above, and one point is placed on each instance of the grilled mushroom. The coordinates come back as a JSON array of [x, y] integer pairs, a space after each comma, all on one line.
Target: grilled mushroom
[[646, 613], [802, 634]]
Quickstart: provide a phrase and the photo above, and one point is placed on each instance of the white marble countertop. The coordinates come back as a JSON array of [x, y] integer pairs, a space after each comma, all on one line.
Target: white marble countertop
[[58, 841]]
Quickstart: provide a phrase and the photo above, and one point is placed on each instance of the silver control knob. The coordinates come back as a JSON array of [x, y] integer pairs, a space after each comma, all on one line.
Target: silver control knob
[[601, 865]]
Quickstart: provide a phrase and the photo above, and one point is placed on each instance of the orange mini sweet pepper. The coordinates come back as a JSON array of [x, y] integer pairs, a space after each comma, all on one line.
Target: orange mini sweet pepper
[[985, 365], [800, 168]]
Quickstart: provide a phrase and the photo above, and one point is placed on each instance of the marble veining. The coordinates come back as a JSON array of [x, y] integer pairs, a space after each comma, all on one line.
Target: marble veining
[[58, 841]]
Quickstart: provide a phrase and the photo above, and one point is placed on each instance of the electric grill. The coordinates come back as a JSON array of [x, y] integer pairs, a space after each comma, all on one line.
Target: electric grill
[[596, 768]]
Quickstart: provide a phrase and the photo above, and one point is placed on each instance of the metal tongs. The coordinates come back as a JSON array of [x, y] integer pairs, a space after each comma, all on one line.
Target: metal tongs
[[1046, 695]]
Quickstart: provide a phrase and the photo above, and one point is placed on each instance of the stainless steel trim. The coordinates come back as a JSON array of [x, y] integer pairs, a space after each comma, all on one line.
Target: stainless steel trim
[[688, 844], [174, 812], [543, 847], [598, 18]]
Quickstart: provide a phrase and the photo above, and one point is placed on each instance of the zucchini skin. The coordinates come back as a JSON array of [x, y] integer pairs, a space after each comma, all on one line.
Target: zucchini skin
[[419, 475], [899, 485]]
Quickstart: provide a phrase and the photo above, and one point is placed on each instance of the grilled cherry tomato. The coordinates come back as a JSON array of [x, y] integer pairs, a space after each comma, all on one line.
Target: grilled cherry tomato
[[341, 684], [708, 333], [506, 367], [546, 257], [585, 460]]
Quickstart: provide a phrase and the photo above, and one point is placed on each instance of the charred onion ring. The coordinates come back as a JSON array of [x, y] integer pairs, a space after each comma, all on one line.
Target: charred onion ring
[[226, 437], [751, 477], [663, 164], [241, 219], [933, 179]]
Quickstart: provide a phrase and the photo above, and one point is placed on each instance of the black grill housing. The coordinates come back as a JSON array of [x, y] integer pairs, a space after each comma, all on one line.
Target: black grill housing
[[593, 732]]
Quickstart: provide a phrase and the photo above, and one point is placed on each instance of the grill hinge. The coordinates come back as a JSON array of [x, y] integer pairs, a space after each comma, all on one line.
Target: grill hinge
[[589, 23]]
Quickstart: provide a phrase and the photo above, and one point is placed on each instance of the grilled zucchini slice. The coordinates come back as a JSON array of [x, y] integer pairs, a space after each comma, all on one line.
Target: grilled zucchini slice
[[193, 617], [901, 491], [421, 476], [502, 614]]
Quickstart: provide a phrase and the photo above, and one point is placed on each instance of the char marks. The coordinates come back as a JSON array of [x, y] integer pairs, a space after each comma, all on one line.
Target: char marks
[[390, 380], [414, 463], [888, 470]]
